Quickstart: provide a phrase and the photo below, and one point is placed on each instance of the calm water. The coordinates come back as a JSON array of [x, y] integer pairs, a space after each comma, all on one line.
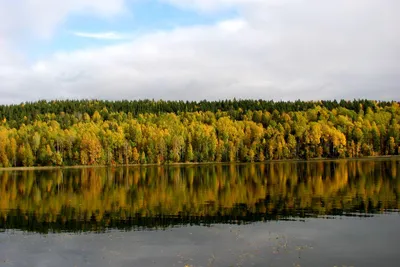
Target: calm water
[[343, 213]]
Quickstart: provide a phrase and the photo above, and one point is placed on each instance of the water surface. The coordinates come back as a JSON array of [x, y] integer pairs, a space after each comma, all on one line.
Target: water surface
[[331, 213]]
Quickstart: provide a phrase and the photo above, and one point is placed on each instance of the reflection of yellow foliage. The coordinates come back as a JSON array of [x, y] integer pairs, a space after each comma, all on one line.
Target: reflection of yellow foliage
[[199, 191]]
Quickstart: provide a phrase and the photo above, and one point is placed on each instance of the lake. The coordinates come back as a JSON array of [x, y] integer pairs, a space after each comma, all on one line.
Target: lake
[[318, 213]]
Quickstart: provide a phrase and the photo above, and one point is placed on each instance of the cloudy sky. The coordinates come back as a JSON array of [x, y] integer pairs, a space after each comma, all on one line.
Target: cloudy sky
[[199, 49]]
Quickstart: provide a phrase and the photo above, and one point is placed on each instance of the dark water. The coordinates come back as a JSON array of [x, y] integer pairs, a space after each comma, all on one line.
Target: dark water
[[342, 213]]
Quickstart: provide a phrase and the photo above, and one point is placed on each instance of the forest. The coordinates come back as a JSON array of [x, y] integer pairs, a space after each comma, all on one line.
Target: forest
[[97, 132]]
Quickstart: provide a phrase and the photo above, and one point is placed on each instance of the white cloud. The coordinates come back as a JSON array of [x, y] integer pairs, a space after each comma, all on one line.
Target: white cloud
[[41, 17], [215, 5], [288, 50], [24, 20], [233, 25], [102, 35]]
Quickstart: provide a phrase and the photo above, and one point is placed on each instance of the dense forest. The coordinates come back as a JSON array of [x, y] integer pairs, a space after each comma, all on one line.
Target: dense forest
[[94, 199], [89, 132]]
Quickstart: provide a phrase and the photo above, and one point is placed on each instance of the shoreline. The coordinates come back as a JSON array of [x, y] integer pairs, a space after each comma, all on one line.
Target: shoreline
[[388, 157]]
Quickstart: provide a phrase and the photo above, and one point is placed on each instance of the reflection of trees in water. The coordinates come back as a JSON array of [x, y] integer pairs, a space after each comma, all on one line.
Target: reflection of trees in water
[[123, 197]]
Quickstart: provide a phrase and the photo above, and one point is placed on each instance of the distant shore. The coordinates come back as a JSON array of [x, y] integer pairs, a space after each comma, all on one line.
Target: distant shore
[[386, 157]]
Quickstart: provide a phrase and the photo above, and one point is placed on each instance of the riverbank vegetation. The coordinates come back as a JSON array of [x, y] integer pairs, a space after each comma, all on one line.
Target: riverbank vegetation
[[68, 133]]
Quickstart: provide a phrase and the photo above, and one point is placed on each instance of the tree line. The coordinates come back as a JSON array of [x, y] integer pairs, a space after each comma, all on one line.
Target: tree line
[[66, 112], [59, 133]]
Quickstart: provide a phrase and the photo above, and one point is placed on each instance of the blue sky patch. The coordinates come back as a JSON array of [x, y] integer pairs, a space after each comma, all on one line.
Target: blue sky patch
[[140, 18]]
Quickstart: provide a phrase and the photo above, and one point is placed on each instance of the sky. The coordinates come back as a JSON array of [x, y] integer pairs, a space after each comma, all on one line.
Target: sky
[[199, 49]]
